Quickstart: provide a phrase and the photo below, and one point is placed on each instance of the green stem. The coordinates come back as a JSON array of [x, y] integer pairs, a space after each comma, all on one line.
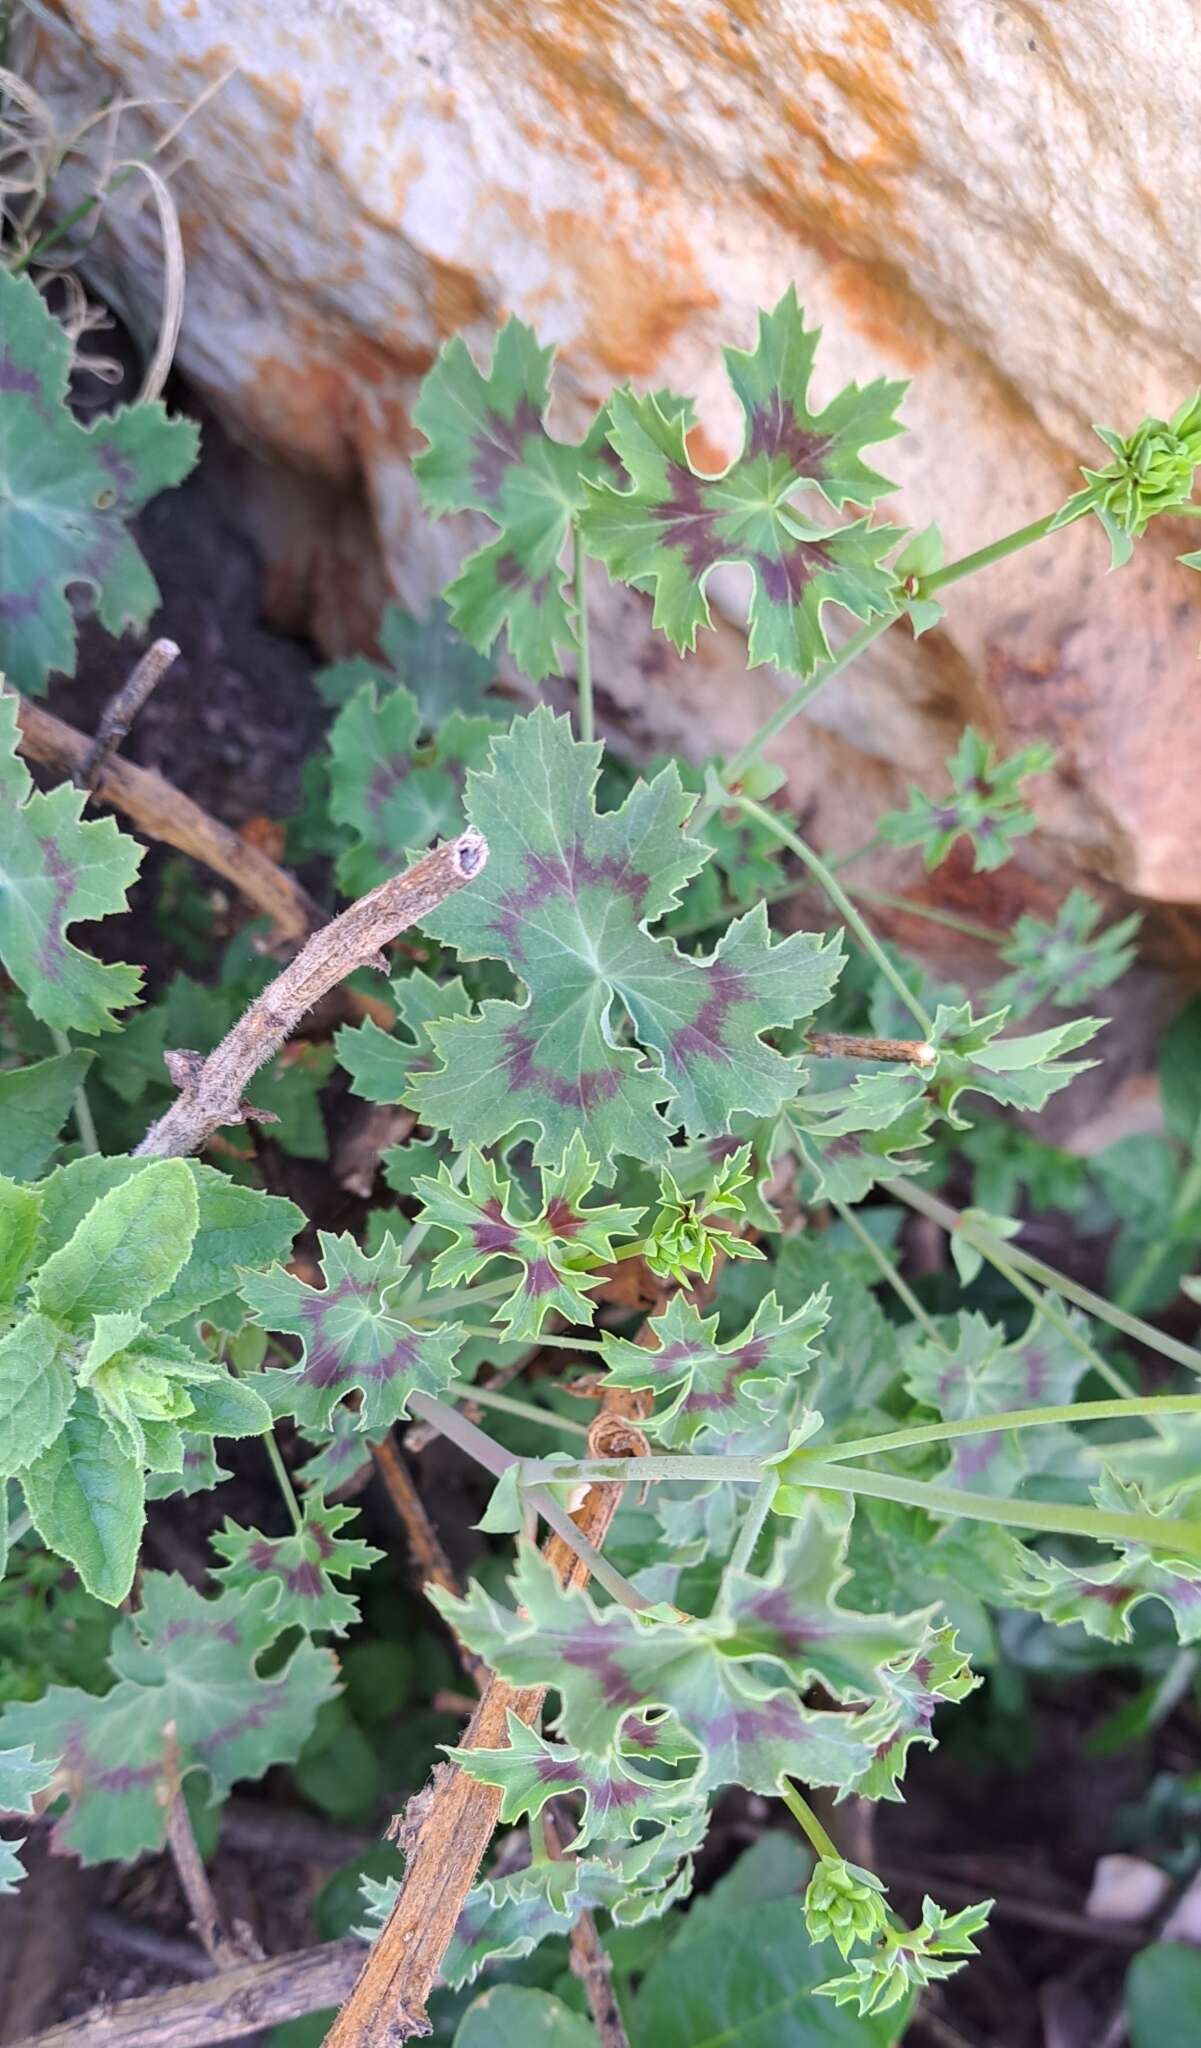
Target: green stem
[[555, 1343], [634, 1471], [1046, 1516], [460, 1431], [81, 1108], [842, 903], [950, 918], [1187, 1195], [527, 1410], [983, 558], [788, 708], [995, 1252], [886, 1267], [808, 1822], [752, 1523], [983, 1425], [285, 1484], [584, 662], [19, 1526], [456, 1297]]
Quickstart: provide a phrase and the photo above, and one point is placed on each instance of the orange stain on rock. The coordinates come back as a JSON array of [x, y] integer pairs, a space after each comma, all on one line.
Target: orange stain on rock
[[635, 303], [456, 296]]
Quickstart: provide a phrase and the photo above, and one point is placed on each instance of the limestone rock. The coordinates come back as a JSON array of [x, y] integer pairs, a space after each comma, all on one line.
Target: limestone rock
[[995, 200]]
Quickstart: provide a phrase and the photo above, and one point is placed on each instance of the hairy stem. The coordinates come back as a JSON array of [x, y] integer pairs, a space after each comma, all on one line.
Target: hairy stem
[[527, 1410], [81, 1108], [584, 658], [808, 1822], [283, 1480], [752, 1523], [842, 903], [788, 709], [1046, 1516], [983, 558], [497, 1461], [995, 1252], [1006, 1418]]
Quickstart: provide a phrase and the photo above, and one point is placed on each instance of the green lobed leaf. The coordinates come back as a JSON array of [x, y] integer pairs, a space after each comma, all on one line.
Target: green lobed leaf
[[35, 1102], [1066, 962], [302, 1567], [180, 1660], [352, 1339], [566, 899], [1019, 1073], [21, 1778], [980, 1373], [865, 1132], [67, 493], [426, 655], [715, 1388], [1103, 1597], [985, 805], [557, 1250], [381, 1063], [55, 869], [608, 1665], [531, 1771], [395, 797], [672, 528], [489, 451], [36, 1390]]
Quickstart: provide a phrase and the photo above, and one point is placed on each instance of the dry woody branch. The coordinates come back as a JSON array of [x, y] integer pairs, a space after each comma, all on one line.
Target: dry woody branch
[[212, 1090]]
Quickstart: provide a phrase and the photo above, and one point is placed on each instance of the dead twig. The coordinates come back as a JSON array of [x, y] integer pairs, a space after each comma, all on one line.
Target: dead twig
[[433, 1566], [837, 1045], [212, 1089], [447, 1827], [589, 1956], [121, 710], [161, 811], [223, 1948], [222, 2008]]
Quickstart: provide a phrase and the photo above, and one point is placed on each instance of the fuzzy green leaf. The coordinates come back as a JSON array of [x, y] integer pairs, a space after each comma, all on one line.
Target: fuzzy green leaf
[[352, 1338], [35, 1102], [20, 1230], [713, 1387], [53, 870], [675, 525], [67, 493], [180, 1660], [127, 1249], [86, 1495], [36, 1390], [566, 899], [557, 1249]]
